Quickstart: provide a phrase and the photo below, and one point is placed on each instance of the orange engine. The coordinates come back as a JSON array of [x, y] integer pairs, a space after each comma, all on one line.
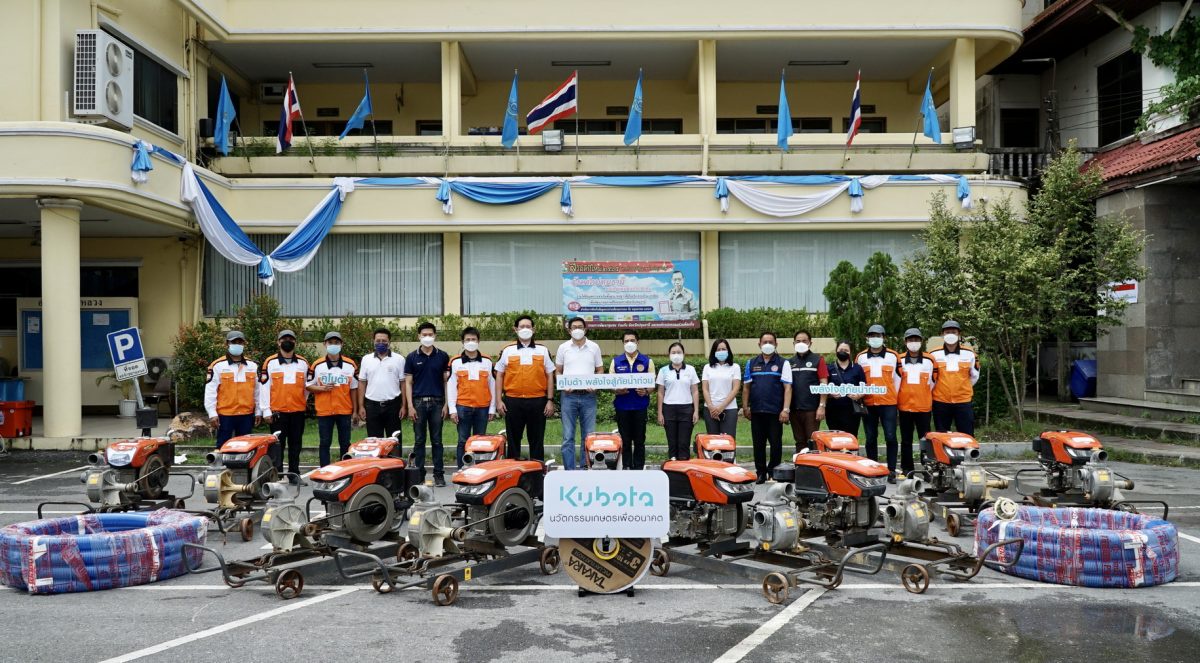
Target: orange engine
[[833, 440], [484, 482], [821, 476], [244, 450], [949, 449], [709, 481], [339, 481], [1068, 447], [134, 453], [482, 448], [375, 447], [602, 449], [716, 447]]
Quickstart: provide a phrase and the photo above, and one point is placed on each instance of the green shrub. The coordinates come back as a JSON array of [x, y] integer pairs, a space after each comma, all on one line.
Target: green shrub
[[196, 346]]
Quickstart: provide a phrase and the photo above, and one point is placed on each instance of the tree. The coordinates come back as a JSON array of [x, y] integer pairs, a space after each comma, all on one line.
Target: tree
[[858, 300]]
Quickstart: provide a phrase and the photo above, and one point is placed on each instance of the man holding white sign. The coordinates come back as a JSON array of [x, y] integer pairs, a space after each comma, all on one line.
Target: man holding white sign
[[577, 357]]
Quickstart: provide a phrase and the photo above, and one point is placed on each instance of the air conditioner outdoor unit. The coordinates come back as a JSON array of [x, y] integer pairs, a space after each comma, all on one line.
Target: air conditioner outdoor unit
[[103, 80], [271, 92]]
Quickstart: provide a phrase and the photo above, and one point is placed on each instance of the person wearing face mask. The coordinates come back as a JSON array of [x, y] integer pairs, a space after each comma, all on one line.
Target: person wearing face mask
[[721, 381], [470, 391], [334, 383], [631, 405], [231, 391], [958, 371], [880, 366], [808, 370], [282, 399], [843, 412], [381, 387], [425, 391], [918, 373], [678, 402], [578, 356], [524, 390], [766, 395]]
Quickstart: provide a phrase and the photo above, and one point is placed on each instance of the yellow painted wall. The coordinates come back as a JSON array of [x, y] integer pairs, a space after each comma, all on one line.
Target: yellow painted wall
[[823, 99], [20, 41]]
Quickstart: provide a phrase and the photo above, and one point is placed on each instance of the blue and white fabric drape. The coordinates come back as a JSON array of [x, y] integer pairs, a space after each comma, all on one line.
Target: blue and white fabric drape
[[141, 166], [782, 205]]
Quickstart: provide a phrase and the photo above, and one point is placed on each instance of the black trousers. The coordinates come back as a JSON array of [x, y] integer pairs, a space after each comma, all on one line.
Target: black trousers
[[765, 429], [525, 416], [383, 417], [677, 420], [631, 424], [726, 425], [908, 421], [844, 419], [291, 428], [962, 415]]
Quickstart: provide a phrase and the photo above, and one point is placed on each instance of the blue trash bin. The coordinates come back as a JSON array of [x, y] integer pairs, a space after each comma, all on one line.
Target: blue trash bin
[[12, 389], [1083, 378]]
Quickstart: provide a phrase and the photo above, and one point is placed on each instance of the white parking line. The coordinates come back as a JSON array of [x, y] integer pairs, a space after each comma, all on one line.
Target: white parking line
[[216, 630], [47, 476], [759, 636], [1189, 537]]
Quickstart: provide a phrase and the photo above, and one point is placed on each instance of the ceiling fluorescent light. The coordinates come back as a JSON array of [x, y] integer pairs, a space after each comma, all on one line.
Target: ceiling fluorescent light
[[817, 63], [342, 65], [581, 63]]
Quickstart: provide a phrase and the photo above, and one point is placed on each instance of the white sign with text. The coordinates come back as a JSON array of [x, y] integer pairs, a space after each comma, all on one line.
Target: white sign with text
[[590, 504], [606, 381]]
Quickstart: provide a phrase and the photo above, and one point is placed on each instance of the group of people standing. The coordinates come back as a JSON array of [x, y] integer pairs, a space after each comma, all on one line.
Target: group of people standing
[[919, 389]]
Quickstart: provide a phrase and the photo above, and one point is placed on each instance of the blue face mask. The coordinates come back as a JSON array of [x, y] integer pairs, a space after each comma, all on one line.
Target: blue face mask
[[333, 349], [381, 347], [721, 355], [236, 349]]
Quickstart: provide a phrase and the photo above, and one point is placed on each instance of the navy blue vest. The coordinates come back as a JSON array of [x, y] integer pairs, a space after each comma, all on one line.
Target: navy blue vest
[[766, 383], [630, 399]]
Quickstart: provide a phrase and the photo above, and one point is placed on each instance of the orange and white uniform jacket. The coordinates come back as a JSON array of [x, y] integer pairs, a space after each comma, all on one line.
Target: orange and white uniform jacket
[[880, 369], [524, 370], [957, 373], [231, 387], [341, 374], [916, 383], [283, 381], [471, 383]]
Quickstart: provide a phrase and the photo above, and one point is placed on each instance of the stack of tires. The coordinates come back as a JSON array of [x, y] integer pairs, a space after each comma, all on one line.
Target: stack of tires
[[1085, 547], [97, 550]]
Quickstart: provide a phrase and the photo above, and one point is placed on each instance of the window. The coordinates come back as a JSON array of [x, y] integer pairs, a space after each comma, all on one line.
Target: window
[[384, 274], [654, 126], [1019, 127], [870, 125], [429, 128], [524, 272], [753, 262], [94, 281], [1119, 86], [769, 125], [587, 127], [155, 92], [328, 128], [813, 125]]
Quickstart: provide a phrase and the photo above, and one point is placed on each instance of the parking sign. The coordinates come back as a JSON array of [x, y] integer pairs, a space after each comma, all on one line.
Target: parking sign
[[125, 347]]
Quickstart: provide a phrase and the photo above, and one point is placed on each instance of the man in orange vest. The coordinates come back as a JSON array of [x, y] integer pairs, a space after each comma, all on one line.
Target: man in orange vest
[[283, 399], [470, 391], [231, 391], [333, 379], [879, 363], [917, 375], [524, 390], [958, 371]]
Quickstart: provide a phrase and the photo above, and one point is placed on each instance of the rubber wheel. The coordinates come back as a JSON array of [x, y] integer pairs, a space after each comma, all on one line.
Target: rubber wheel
[[379, 585], [952, 524], [289, 584], [518, 520], [549, 560], [775, 587], [153, 487], [369, 513], [445, 590], [661, 563], [407, 552], [246, 527], [915, 578]]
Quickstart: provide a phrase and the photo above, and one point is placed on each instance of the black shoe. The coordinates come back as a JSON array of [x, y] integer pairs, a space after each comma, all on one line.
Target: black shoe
[[293, 479], [439, 481], [762, 478], [892, 478]]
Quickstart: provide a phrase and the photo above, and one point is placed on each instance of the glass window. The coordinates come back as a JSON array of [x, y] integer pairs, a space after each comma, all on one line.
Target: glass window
[[505, 272], [870, 125], [94, 281], [384, 274], [327, 128], [155, 92], [1119, 86]]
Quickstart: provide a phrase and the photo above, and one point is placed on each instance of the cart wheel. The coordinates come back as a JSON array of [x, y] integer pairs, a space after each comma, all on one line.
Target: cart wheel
[[445, 590], [289, 584], [549, 560], [952, 524], [407, 552], [379, 585], [247, 529], [180, 504], [661, 563], [775, 587], [915, 578]]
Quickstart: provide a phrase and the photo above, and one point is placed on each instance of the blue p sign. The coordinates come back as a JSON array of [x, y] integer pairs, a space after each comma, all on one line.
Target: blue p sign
[[125, 346]]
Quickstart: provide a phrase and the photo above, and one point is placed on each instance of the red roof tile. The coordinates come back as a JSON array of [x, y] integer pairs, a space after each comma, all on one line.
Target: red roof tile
[[1137, 157]]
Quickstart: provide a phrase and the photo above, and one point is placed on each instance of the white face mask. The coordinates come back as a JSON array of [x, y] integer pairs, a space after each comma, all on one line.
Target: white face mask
[[801, 348], [676, 358], [428, 341], [471, 346], [768, 348], [631, 347], [875, 342], [914, 346], [578, 333], [524, 333], [950, 338]]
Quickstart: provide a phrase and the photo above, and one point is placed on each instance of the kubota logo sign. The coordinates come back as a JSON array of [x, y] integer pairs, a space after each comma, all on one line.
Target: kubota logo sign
[[616, 504], [602, 497]]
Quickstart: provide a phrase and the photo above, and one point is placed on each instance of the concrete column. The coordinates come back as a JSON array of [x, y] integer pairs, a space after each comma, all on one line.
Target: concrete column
[[61, 373], [452, 273], [962, 84], [710, 270], [451, 90], [51, 60], [707, 86]]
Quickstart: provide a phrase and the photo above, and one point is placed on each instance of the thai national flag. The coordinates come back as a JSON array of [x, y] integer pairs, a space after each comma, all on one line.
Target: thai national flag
[[289, 113], [560, 104], [855, 110]]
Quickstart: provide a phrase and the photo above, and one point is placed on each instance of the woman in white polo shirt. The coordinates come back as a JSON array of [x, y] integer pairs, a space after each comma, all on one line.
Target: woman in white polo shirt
[[678, 402], [722, 379]]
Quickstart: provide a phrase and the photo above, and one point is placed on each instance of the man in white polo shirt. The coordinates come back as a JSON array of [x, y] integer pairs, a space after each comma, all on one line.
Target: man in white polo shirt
[[380, 393], [578, 356]]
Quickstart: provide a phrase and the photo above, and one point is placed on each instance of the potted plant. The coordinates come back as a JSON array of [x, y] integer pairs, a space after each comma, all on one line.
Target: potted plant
[[126, 407]]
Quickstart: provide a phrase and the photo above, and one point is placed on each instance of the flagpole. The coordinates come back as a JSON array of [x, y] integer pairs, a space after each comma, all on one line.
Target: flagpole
[[920, 118], [312, 158], [578, 108], [517, 142], [378, 160], [243, 139]]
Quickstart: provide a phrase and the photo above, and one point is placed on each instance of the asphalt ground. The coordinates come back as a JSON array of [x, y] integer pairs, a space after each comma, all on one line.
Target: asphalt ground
[[521, 615]]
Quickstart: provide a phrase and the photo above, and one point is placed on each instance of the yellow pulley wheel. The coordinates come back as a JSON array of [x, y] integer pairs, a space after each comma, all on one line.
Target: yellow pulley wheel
[[606, 549]]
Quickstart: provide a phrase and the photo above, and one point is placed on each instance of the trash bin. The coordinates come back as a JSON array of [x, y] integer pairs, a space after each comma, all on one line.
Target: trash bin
[[12, 389], [1083, 378], [16, 418]]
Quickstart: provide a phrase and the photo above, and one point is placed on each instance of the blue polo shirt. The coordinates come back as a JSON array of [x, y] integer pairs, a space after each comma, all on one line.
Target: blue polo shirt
[[428, 372], [766, 379]]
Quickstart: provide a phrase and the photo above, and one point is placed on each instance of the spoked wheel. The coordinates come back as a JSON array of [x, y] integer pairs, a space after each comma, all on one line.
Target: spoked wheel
[[775, 587], [407, 552], [915, 578], [246, 527], [661, 563], [952, 524], [377, 582], [445, 590], [152, 477], [549, 560], [289, 584]]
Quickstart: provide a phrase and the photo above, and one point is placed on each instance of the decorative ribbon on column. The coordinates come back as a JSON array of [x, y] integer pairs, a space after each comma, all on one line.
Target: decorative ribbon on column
[[722, 194], [564, 201], [856, 195], [141, 165]]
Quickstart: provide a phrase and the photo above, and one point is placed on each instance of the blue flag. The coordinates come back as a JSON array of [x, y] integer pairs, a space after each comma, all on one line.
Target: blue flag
[[363, 110], [633, 128], [785, 118], [225, 114], [509, 136], [932, 129]]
